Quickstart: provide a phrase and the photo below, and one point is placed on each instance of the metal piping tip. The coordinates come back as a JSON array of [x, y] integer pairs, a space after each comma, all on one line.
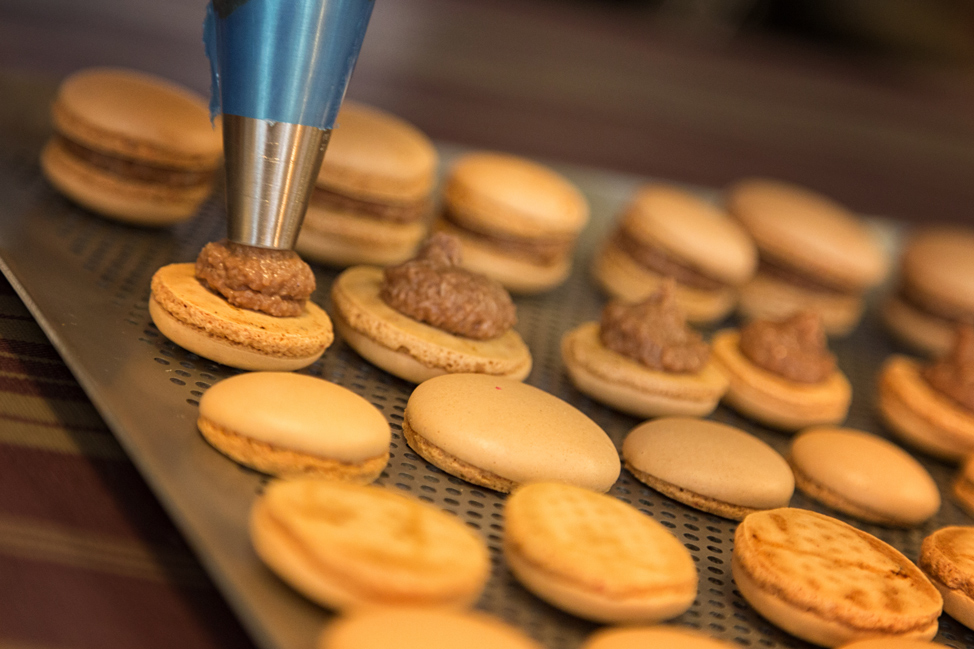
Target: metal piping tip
[[271, 169]]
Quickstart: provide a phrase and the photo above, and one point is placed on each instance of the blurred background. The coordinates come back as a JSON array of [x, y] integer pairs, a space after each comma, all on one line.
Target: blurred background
[[870, 101]]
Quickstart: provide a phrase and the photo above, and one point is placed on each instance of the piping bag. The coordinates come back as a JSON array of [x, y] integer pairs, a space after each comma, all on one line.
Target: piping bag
[[279, 72]]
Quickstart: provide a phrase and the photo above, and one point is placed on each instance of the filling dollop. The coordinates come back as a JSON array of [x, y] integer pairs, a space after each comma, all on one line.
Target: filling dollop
[[795, 348], [654, 332], [434, 289], [953, 375], [276, 282]]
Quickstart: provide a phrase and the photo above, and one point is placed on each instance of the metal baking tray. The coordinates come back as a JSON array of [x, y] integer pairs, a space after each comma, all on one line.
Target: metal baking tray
[[86, 280]]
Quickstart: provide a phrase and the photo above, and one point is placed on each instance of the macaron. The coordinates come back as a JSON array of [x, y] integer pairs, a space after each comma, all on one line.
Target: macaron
[[889, 488], [372, 200], [829, 583], [518, 220], [349, 547], [666, 231], [204, 323], [639, 637], [936, 289], [947, 558], [411, 628], [596, 557], [285, 424], [131, 146], [891, 643], [963, 486], [814, 254], [500, 433], [708, 465]]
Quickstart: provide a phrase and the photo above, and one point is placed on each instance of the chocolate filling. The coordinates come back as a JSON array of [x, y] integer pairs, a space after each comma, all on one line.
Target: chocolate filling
[[783, 271], [541, 250], [390, 212], [795, 349], [933, 307], [662, 263], [135, 170]]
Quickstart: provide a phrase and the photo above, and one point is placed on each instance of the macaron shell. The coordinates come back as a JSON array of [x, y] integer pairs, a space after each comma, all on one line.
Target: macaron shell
[[939, 264], [891, 643], [502, 193], [808, 231], [298, 412], [138, 116], [693, 231], [711, 459], [891, 483], [652, 636], [513, 430], [375, 155]]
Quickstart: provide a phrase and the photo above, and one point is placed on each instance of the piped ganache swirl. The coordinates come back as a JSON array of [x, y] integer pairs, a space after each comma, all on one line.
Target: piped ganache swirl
[[434, 289], [276, 282], [795, 348], [953, 375], [654, 333]]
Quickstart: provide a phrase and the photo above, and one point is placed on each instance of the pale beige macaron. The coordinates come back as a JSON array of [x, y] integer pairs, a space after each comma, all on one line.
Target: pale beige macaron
[[936, 289], [829, 583], [411, 628], [776, 400], [518, 220], [372, 200], [642, 637], [204, 323], [410, 349], [708, 465], [500, 433], [891, 488], [666, 231], [947, 558], [815, 254], [348, 546], [595, 556], [286, 424], [920, 415]]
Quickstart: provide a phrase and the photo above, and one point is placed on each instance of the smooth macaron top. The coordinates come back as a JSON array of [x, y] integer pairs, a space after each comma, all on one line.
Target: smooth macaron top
[[711, 459], [506, 194], [641, 637], [416, 628], [137, 116], [939, 263], [298, 412], [375, 155], [867, 470], [808, 231], [692, 230], [513, 430]]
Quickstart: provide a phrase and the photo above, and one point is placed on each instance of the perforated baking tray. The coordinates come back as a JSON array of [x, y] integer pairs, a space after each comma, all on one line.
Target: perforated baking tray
[[86, 280]]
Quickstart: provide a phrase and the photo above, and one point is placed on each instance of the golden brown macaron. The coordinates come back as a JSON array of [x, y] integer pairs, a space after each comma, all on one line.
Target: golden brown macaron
[[500, 433], [408, 348], [350, 547], [707, 465], [864, 476], [287, 424], [776, 400], [828, 582], [920, 415], [947, 558], [411, 628], [641, 637], [518, 220], [963, 486], [132, 146], [595, 556], [891, 643], [373, 197], [936, 289], [815, 254], [666, 231], [204, 323]]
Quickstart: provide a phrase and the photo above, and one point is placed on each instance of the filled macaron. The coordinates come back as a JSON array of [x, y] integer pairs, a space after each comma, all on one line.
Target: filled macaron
[[815, 254], [373, 197], [666, 231], [132, 146], [518, 220]]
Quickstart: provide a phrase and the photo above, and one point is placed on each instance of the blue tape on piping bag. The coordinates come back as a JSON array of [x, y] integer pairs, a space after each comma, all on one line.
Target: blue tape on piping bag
[[283, 60]]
